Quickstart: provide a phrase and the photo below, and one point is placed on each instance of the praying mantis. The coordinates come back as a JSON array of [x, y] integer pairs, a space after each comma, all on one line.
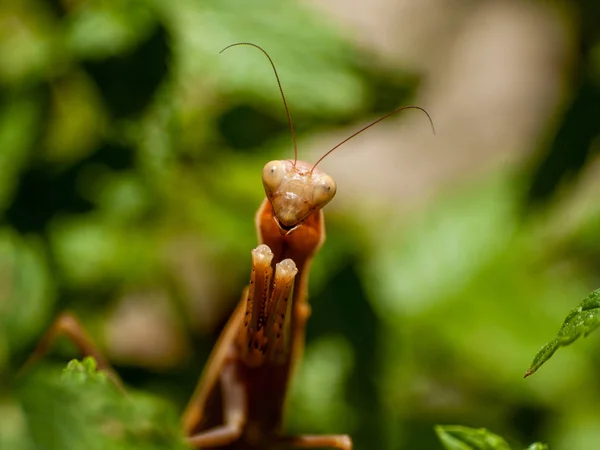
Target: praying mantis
[[240, 398], [264, 338]]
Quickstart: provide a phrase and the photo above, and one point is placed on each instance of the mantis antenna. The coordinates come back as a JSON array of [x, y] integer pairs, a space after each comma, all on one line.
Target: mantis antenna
[[289, 117], [370, 125], [287, 109]]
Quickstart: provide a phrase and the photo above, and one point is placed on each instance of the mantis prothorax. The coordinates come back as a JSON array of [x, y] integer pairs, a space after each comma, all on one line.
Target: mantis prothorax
[[241, 394]]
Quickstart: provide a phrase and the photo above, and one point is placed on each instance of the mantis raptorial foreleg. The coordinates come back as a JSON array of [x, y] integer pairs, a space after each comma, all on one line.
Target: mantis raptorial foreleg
[[259, 350], [259, 323]]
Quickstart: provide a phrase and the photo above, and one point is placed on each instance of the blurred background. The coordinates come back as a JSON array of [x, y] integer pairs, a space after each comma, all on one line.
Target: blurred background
[[130, 161]]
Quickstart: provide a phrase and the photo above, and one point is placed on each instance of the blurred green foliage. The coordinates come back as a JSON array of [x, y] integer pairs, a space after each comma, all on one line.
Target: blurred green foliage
[[575, 141], [130, 154]]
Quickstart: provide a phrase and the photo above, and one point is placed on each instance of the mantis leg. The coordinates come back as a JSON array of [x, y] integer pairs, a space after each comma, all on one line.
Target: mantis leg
[[195, 413], [69, 326], [234, 411], [340, 441]]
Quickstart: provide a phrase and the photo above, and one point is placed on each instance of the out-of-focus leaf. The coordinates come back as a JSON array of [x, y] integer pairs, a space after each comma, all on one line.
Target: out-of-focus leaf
[[538, 446], [75, 119], [581, 321], [122, 196], [19, 118], [125, 89], [106, 28], [442, 250], [13, 426], [26, 290], [92, 250], [572, 145], [28, 42], [317, 394], [457, 437], [82, 408], [314, 62]]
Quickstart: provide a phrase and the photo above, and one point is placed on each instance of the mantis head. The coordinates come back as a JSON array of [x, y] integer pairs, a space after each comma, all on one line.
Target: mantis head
[[296, 190]]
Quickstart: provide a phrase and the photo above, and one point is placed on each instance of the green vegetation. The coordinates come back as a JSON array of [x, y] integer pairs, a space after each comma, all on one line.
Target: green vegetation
[[581, 321], [130, 161], [463, 438]]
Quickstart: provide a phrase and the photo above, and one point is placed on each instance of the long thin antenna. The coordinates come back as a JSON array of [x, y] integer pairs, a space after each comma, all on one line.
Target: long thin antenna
[[370, 125], [287, 110]]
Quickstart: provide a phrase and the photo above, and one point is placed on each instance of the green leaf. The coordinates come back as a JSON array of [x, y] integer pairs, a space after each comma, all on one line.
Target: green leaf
[[82, 372], [107, 28], [28, 43], [315, 63], [538, 446], [19, 118], [581, 321], [82, 408], [328, 362], [91, 250], [27, 287], [457, 437]]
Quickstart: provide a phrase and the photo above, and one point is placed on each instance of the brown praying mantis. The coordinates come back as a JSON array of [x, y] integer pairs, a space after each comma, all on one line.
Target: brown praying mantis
[[240, 398]]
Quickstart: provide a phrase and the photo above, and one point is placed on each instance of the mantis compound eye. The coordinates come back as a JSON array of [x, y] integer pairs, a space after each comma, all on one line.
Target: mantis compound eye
[[324, 191], [272, 175]]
